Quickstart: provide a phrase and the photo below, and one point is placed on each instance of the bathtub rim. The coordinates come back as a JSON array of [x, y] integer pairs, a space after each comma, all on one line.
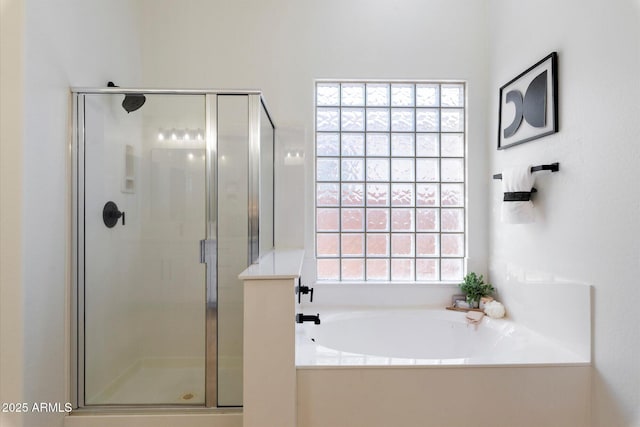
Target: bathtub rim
[[302, 362], [527, 303]]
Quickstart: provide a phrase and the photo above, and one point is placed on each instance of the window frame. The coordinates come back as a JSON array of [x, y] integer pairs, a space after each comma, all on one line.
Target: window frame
[[460, 258]]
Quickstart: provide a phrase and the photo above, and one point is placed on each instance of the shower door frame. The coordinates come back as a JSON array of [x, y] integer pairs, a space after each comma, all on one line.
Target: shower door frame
[[77, 156]]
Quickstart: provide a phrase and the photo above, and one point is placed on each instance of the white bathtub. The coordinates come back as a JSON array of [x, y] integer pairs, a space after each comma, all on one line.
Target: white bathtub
[[383, 337], [405, 364]]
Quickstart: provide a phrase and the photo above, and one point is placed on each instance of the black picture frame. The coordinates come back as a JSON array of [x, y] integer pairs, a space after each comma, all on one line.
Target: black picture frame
[[528, 104]]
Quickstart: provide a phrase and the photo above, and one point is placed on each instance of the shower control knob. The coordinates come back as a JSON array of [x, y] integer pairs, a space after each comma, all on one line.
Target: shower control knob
[[111, 214]]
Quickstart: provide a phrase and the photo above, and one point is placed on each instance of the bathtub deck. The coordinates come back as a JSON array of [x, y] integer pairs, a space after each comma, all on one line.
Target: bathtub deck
[[532, 396]]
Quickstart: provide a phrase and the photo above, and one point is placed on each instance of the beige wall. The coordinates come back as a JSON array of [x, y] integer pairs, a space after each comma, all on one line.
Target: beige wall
[[11, 138]]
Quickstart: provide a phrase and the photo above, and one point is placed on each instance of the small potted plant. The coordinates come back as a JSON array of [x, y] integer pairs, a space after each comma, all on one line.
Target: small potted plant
[[474, 288]]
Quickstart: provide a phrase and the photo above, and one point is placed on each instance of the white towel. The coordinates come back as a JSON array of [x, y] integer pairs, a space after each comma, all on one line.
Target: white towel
[[517, 179]]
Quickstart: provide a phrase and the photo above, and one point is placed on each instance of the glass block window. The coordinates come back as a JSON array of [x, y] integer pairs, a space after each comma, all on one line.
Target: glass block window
[[390, 181]]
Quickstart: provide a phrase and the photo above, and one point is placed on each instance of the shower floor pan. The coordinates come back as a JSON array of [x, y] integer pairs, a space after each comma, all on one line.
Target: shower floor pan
[[156, 382]]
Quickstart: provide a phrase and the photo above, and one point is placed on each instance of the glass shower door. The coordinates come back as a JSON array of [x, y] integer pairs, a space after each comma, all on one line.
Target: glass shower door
[[143, 286]]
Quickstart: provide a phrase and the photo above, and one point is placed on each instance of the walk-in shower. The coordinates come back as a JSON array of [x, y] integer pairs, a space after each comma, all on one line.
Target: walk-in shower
[[171, 201]]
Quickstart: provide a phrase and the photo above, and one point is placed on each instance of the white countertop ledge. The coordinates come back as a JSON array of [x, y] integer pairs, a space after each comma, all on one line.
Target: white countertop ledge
[[277, 264]]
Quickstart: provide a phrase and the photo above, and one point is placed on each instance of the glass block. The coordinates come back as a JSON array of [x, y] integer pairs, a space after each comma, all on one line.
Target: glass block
[[452, 170], [402, 145], [327, 195], [377, 94], [427, 219], [452, 95], [402, 195], [427, 170], [328, 269], [402, 269], [352, 269], [402, 120], [451, 269], [427, 269], [327, 244], [427, 194], [452, 120], [427, 95], [452, 194], [328, 94], [402, 95], [327, 219], [352, 119], [427, 245], [353, 169], [352, 244], [327, 169], [328, 144], [402, 220], [427, 144], [377, 119], [452, 245], [377, 219], [352, 144], [402, 170], [452, 220], [327, 119], [452, 145], [377, 169], [352, 195], [352, 219], [377, 144], [377, 245], [352, 94], [377, 194], [427, 120], [377, 269], [402, 245]]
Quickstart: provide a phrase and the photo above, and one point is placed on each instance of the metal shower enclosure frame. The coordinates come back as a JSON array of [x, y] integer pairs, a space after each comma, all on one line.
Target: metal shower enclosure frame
[[255, 103]]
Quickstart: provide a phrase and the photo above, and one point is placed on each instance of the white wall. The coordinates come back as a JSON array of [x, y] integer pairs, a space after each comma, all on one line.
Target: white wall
[[281, 46], [67, 43], [588, 228], [588, 224]]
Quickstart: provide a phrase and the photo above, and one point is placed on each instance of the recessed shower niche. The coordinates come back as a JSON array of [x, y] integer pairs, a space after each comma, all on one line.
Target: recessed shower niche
[[157, 303]]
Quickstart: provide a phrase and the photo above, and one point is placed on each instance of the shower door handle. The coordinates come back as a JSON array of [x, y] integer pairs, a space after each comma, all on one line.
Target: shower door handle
[[206, 249]]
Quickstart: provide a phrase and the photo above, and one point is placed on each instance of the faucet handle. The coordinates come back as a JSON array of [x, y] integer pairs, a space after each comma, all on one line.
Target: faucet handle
[[302, 289]]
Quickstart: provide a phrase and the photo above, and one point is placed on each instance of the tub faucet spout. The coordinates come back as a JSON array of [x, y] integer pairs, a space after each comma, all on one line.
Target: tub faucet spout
[[300, 318]]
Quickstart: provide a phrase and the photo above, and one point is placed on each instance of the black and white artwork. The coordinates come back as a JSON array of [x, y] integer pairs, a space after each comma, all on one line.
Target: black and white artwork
[[529, 104]]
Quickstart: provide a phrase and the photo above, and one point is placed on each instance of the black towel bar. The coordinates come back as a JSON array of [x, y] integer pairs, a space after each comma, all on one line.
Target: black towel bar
[[553, 167]]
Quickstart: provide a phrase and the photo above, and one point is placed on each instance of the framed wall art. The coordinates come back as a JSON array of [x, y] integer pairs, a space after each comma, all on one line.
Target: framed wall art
[[529, 104]]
